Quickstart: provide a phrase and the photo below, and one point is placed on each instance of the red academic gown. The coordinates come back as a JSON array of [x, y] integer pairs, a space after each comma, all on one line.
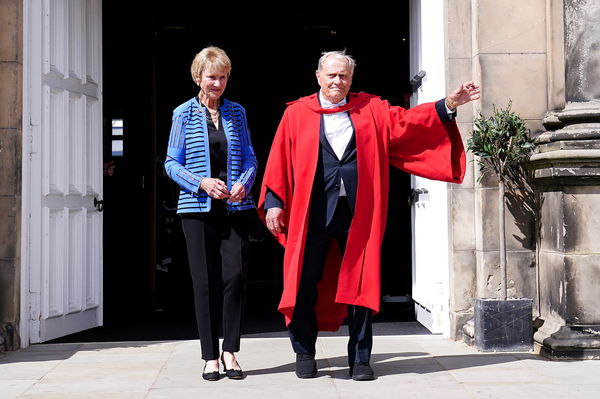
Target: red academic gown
[[413, 140]]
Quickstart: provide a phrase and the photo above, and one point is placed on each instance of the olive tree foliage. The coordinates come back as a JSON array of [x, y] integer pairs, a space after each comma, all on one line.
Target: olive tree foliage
[[501, 142]]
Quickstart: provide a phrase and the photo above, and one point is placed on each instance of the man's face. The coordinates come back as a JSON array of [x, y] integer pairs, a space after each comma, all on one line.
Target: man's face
[[335, 79]]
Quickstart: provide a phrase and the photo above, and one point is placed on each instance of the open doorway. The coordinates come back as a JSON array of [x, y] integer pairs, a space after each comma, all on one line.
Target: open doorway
[[147, 54]]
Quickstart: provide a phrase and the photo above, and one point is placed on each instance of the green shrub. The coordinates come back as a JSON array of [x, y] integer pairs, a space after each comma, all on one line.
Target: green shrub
[[501, 141]]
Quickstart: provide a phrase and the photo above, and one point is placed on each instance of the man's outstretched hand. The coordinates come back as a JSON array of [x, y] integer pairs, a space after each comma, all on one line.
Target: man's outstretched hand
[[465, 93]]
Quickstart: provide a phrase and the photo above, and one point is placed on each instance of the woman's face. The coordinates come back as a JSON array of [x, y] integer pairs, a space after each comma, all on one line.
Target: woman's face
[[213, 82]]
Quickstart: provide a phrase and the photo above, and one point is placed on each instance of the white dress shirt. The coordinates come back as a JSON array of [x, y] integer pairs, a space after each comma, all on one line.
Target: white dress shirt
[[338, 131]]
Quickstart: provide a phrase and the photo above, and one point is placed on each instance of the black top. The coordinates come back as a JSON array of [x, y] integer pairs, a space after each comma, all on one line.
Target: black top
[[218, 148]]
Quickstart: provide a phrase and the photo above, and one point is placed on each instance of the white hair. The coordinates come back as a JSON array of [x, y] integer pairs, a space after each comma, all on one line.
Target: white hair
[[339, 54]]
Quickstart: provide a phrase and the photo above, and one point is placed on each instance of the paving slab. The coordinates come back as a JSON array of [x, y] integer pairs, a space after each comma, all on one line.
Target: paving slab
[[87, 395], [410, 365], [491, 390], [14, 388]]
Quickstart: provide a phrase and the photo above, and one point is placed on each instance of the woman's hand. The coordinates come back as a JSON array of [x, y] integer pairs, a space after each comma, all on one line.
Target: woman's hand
[[463, 94], [215, 188], [238, 192]]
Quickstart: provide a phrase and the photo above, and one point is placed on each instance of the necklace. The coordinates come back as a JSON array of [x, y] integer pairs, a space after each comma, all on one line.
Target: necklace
[[213, 114]]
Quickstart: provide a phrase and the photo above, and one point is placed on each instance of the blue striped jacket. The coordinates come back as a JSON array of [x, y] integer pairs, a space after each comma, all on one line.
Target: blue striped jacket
[[188, 154]]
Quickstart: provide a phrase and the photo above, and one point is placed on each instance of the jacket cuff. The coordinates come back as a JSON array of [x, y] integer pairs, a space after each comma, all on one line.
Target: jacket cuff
[[189, 180], [197, 192], [247, 179], [272, 200], [442, 111]]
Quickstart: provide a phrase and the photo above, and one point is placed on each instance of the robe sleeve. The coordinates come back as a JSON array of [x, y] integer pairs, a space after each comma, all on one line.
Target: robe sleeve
[[278, 177], [421, 144]]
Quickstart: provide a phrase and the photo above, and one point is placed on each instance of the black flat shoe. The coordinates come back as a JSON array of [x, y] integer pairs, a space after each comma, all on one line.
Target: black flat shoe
[[232, 373], [210, 376], [362, 371], [306, 365]]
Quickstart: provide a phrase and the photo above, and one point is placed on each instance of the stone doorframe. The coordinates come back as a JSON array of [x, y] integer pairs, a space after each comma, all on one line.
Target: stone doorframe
[[11, 139]]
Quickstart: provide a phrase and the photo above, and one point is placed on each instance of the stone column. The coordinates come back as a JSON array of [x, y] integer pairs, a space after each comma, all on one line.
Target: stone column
[[566, 169], [11, 137]]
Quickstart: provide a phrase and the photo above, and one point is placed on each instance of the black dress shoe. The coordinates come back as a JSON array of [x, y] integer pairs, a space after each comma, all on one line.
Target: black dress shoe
[[306, 366], [211, 375], [362, 372], [232, 373]]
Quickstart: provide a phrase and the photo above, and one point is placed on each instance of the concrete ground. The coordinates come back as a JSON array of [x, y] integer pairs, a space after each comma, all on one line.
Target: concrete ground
[[413, 364]]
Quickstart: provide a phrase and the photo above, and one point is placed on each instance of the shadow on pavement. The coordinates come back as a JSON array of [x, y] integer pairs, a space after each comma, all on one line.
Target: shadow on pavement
[[398, 363]]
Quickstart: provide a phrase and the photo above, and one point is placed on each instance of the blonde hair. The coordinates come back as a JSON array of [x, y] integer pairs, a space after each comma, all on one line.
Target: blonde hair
[[210, 57], [338, 54]]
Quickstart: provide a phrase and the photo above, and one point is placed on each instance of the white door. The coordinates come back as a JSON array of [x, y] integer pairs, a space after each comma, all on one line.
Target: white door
[[430, 272], [430, 254], [62, 168]]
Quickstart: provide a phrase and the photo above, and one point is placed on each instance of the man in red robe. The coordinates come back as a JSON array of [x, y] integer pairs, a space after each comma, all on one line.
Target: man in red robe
[[327, 181]]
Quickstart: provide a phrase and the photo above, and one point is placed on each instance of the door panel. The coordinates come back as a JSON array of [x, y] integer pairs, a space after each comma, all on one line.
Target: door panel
[[64, 175], [431, 266], [430, 254]]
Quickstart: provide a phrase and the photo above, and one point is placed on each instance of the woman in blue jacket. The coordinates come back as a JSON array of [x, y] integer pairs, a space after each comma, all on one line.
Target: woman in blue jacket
[[210, 156]]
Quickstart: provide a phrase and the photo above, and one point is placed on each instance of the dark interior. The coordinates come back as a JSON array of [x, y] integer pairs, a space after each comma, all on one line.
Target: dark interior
[[147, 53]]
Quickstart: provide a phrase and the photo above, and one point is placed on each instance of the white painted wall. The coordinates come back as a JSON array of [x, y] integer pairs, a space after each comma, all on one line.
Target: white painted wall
[[430, 214]]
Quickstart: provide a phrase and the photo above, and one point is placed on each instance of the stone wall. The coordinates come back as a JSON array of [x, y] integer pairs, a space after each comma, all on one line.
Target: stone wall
[[508, 56], [11, 136]]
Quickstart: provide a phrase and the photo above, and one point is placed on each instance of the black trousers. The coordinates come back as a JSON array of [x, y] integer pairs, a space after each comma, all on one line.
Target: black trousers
[[303, 328], [217, 247]]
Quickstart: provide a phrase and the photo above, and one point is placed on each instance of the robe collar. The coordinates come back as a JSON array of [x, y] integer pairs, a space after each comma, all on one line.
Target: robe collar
[[354, 100], [325, 103]]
